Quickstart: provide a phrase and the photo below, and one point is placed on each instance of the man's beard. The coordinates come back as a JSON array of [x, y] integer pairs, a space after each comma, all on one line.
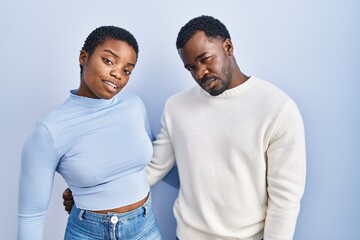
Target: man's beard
[[225, 78]]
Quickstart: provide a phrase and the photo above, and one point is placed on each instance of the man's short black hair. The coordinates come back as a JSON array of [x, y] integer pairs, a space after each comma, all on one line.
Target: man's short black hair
[[212, 27], [104, 33]]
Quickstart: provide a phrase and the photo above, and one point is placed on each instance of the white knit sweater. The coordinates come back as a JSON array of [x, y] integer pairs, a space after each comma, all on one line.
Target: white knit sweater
[[241, 161]]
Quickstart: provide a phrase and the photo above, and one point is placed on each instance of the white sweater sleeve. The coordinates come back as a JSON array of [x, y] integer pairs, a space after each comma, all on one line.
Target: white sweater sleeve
[[38, 163], [163, 158], [286, 174]]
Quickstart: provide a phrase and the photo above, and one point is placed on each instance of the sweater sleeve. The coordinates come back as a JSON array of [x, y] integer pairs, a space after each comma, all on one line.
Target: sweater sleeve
[[38, 164], [163, 159], [286, 174]]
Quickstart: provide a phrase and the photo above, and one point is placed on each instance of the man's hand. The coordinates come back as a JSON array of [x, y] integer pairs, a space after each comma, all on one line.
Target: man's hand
[[68, 200]]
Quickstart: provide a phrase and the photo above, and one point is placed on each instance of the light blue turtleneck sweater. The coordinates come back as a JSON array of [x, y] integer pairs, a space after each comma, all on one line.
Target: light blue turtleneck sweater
[[100, 147]]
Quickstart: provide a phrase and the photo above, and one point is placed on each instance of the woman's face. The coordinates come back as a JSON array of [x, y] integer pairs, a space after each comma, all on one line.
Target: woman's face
[[107, 70]]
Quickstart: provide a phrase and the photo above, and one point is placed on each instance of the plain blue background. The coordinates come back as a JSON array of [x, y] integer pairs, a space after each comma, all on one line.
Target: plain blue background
[[310, 49]]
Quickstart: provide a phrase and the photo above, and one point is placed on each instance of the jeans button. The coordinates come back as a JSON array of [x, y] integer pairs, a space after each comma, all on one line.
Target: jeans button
[[114, 219]]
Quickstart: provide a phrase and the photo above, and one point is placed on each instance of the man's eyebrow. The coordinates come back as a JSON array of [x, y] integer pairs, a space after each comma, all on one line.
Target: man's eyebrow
[[199, 56]]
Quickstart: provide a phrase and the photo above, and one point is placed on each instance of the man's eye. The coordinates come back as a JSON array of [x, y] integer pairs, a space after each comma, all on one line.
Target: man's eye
[[204, 59], [190, 69], [107, 61]]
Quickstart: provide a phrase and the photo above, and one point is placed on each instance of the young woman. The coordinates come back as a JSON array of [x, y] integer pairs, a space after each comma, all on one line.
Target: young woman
[[99, 140]]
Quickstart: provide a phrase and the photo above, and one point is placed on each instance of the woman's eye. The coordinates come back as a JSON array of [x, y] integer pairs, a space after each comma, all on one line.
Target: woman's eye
[[107, 61], [127, 72]]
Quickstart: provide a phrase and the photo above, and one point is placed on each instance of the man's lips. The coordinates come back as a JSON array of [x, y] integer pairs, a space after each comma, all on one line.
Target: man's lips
[[208, 83]]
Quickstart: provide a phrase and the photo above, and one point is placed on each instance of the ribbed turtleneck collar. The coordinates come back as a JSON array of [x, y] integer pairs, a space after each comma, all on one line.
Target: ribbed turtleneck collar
[[234, 91], [89, 102]]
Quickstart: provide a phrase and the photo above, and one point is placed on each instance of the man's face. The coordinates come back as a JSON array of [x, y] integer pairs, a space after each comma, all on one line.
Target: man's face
[[208, 62]]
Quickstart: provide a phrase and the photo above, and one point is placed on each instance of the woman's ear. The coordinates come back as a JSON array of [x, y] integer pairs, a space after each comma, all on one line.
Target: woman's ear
[[228, 46], [83, 57]]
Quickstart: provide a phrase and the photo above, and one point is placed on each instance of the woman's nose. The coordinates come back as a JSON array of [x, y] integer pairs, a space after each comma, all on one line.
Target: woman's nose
[[116, 74]]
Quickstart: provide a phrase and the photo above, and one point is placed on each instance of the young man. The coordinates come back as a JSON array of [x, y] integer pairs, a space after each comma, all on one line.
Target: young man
[[238, 142]]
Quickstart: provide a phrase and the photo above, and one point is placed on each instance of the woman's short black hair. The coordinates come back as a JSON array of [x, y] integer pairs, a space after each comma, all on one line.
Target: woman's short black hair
[[212, 27]]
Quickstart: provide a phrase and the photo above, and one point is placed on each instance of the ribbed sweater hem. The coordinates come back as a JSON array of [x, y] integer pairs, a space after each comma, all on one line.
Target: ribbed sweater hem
[[186, 232]]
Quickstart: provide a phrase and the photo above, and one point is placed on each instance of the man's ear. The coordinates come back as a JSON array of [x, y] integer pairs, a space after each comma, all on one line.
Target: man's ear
[[83, 57], [228, 46]]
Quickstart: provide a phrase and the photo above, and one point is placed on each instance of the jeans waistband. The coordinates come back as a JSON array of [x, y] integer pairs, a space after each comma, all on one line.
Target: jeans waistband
[[113, 217]]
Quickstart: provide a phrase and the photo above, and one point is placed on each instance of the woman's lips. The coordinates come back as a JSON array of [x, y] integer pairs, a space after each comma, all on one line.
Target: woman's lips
[[110, 86]]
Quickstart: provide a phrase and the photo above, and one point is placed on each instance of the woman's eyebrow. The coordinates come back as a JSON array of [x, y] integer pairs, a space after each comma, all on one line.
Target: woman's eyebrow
[[111, 52]]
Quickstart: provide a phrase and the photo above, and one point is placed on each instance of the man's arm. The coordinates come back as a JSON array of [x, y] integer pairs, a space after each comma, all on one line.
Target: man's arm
[[286, 174], [163, 159]]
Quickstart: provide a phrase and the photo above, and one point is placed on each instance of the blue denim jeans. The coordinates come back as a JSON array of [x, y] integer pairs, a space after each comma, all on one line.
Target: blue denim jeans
[[138, 224], [179, 239]]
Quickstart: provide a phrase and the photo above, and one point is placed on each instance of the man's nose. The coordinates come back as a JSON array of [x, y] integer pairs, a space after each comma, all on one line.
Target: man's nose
[[202, 71]]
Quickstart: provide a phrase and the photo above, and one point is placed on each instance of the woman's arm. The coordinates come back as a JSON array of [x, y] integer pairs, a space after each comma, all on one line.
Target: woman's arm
[[38, 165]]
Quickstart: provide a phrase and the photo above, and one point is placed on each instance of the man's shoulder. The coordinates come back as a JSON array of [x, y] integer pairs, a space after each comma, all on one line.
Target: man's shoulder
[[184, 94], [270, 90], [182, 99]]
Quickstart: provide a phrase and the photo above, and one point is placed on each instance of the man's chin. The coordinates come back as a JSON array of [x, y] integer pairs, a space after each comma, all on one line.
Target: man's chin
[[215, 92]]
